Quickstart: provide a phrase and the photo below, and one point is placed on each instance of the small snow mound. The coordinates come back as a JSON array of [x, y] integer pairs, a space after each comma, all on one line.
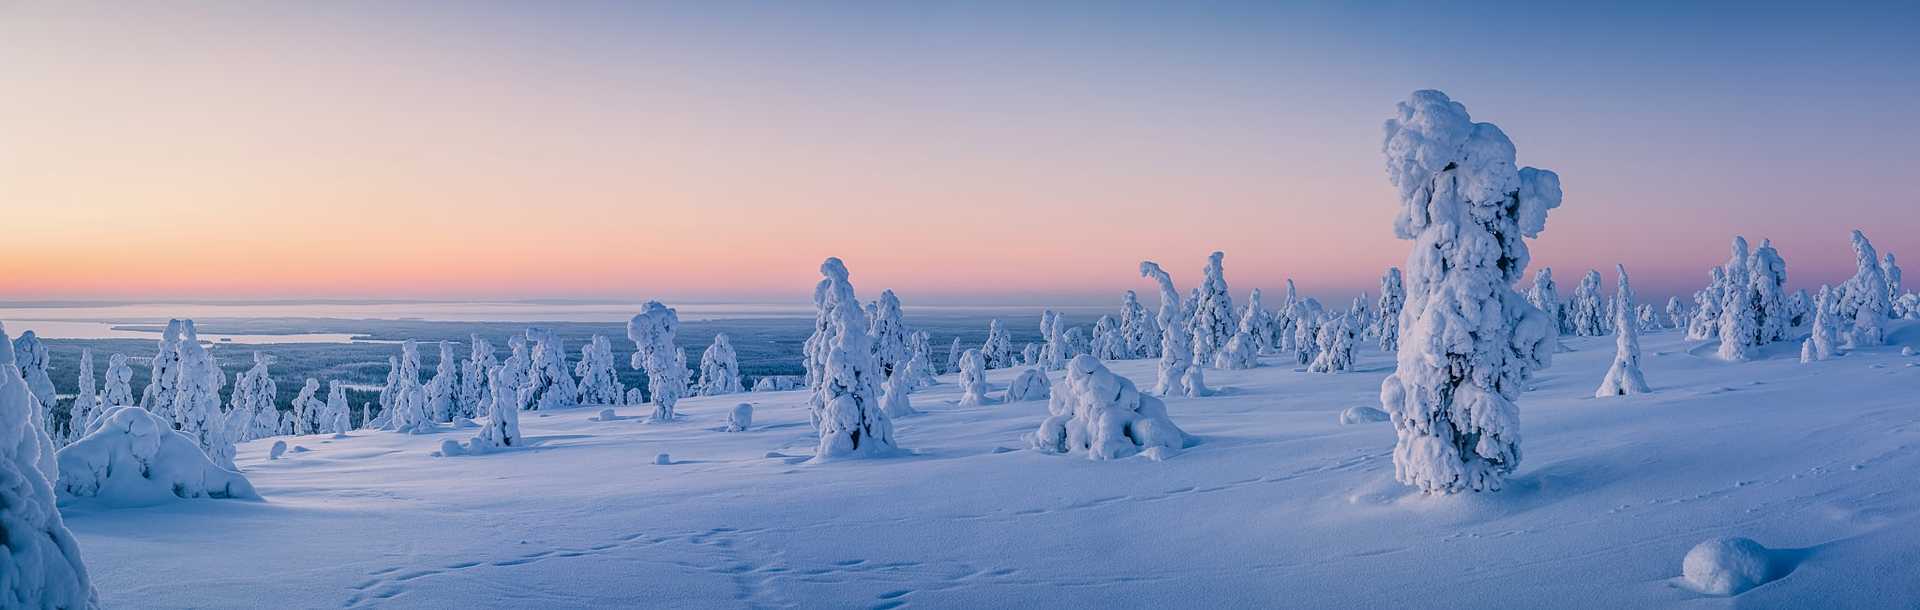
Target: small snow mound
[[1362, 415], [134, 458], [1727, 566], [301, 449], [279, 447], [459, 423], [740, 418], [606, 415], [662, 460], [1906, 351], [449, 448]]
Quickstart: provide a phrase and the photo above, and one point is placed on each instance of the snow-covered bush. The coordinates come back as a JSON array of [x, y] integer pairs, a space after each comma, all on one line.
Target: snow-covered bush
[[852, 422], [133, 458], [1824, 339], [740, 418], [1176, 351], [1103, 416], [1108, 344], [599, 385], [1053, 355], [474, 398], [118, 391], [252, 402], [1336, 342], [40, 564], [888, 328], [919, 371], [1588, 310], [443, 390], [86, 402], [164, 378], [550, 381], [1865, 297], [973, 379], [1138, 328], [1727, 566], [1470, 341], [998, 350], [652, 333], [1213, 321], [1393, 297], [1308, 316], [1030, 384], [1624, 376]]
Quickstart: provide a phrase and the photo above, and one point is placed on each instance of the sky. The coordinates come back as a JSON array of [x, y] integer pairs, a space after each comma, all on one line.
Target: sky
[[956, 152]]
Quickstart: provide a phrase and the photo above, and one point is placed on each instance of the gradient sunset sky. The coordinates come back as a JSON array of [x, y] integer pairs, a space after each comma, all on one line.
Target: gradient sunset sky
[[953, 151]]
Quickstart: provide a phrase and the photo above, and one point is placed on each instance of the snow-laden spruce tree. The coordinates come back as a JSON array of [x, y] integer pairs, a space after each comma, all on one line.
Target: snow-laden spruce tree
[[1284, 324], [1624, 376], [442, 391], [1469, 341], [1588, 309], [1824, 338], [1799, 308], [1308, 316], [1194, 380], [1076, 340], [1053, 355], [1257, 323], [1108, 344], [35, 368], [40, 564], [252, 409], [1393, 297], [896, 395], [1175, 347], [1242, 352], [1890, 270], [337, 418], [652, 333], [1359, 316], [474, 398], [919, 370], [1138, 328], [953, 356], [551, 381], [888, 328], [1705, 323], [1213, 321], [998, 350], [1767, 280], [1865, 297], [389, 393], [410, 414], [1030, 384], [1737, 265], [1336, 341], [86, 402], [118, 391], [1739, 325], [1649, 320], [1103, 416], [1907, 306], [1029, 354], [1545, 295], [1676, 313], [306, 417], [504, 382], [599, 385], [973, 379], [196, 401], [720, 367], [852, 422], [163, 381]]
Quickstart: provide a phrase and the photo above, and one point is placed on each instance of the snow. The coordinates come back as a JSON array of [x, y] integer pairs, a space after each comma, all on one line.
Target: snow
[[1103, 416], [1727, 566], [1362, 415], [40, 561], [1030, 384], [134, 458], [652, 333]]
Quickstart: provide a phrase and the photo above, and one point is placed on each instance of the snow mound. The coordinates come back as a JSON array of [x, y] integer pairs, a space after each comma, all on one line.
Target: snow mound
[[1106, 417], [740, 418], [663, 460], [134, 458], [279, 447], [1728, 566], [1031, 384], [1362, 415]]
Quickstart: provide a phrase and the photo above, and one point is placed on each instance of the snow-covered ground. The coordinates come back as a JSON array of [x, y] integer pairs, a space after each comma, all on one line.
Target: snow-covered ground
[[1279, 504]]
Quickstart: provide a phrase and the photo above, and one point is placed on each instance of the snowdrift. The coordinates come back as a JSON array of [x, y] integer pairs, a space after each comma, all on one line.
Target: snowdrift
[[132, 458]]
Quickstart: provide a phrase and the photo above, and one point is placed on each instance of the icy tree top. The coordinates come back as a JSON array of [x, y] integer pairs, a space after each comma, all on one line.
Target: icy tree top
[[1432, 135]]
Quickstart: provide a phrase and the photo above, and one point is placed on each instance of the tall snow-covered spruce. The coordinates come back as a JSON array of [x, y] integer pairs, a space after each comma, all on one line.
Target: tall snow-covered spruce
[[163, 379], [1213, 321], [86, 403], [551, 383], [1624, 376], [852, 422], [1469, 340], [1864, 300], [40, 564], [474, 399], [720, 368], [1393, 298], [252, 401], [652, 333], [598, 383], [1175, 349], [1137, 328]]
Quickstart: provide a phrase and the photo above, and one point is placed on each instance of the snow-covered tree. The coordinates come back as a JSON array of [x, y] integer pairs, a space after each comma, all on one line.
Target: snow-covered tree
[[1469, 340], [1030, 354], [338, 419], [998, 350], [1108, 344], [1242, 352], [1824, 340], [652, 333], [1624, 376], [1307, 316], [305, 416], [252, 402], [164, 380], [973, 379], [1138, 328], [1076, 339], [953, 356], [1865, 297], [1588, 309], [1213, 321], [919, 370], [1676, 313], [1030, 384], [1890, 270], [1257, 324], [196, 401], [86, 402], [1739, 328], [1103, 416], [852, 422], [410, 413], [1799, 305], [896, 395], [1767, 280], [599, 385], [1176, 350], [1360, 317], [34, 367], [1908, 306], [1737, 264], [118, 391], [442, 391], [1336, 341], [1053, 355], [1393, 297], [551, 382], [1545, 295], [888, 328], [474, 398], [1705, 323], [40, 564], [504, 383], [720, 367], [1284, 324], [1649, 319]]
